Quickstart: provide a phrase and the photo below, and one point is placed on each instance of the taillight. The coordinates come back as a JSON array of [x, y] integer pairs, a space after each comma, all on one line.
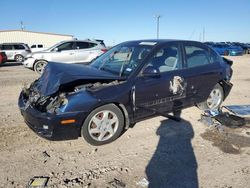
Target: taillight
[[104, 50]]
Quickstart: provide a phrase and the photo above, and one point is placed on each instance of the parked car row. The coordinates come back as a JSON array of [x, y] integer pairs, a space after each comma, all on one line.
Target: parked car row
[[72, 51], [15, 51], [229, 48]]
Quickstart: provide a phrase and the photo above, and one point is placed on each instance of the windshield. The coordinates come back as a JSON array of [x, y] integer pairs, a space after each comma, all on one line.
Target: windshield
[[123, 59]]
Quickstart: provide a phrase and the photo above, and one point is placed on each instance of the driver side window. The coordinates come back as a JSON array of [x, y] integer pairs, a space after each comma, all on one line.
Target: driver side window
[[66, 46], [166, 59]]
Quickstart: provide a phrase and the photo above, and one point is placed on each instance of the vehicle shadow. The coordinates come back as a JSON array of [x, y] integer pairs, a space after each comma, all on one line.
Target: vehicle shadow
[[173, 163], [9, 64]]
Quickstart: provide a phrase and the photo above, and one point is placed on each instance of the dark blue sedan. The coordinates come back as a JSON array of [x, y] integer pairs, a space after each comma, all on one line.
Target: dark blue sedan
[[131, 82]]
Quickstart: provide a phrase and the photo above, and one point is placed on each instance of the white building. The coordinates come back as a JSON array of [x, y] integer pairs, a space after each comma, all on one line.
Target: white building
[[30, 37]]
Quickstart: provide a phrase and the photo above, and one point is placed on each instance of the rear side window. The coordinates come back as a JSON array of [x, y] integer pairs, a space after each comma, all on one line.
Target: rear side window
[[19, 47], [40, 46], [196, 56], [7, 47], [91, 45], [85, 45], [214, 57]]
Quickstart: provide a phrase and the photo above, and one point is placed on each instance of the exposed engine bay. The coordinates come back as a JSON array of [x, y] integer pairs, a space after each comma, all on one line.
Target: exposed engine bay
[[51, 102]]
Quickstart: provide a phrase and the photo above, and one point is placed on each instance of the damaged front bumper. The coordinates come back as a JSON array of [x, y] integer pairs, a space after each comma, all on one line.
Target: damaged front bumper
[[49, 125]]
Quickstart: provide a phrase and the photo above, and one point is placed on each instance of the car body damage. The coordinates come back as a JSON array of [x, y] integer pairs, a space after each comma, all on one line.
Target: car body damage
[[178, 86], [129, 83], [50, 90]]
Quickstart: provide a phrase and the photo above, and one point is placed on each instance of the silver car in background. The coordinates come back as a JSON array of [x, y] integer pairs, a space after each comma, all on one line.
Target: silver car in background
[[15, 51], [73, 51]]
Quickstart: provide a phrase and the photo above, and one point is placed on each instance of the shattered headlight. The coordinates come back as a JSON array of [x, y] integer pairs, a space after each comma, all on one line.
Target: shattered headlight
[[56, 103]]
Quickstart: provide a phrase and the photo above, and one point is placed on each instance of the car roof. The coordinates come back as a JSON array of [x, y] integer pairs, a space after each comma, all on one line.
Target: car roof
[[11, 43], [160, 41], [87, 40]]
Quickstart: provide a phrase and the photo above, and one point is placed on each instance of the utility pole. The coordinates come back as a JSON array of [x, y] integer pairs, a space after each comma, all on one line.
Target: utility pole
[[203, 34], [22, 25], [158, 24]]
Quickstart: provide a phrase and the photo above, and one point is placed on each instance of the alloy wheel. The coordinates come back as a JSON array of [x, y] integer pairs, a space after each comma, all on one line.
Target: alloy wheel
[[214, 98], [103, 125], [19, 58], [39, 66]]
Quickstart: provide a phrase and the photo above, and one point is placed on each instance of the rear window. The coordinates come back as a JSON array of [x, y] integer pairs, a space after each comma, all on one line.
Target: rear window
[[7, 47]]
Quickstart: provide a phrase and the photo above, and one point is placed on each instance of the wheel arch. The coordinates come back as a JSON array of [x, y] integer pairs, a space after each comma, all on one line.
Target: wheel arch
[[37, 61], [121, 107], [226, 86]]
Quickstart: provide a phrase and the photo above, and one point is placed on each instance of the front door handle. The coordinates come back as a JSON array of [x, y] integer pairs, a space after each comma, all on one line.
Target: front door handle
[[71, 53]]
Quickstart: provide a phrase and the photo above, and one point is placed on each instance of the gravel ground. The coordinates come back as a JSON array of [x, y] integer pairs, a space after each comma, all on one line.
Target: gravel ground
[[164, 152]]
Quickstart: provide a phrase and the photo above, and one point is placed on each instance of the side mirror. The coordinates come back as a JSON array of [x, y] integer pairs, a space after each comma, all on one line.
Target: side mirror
[[55, 50], [151, 72]]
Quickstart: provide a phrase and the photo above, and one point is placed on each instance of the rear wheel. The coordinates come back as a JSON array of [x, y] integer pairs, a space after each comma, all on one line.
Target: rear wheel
[[39, 66], [103, 125], [214, 100], [19, 58]]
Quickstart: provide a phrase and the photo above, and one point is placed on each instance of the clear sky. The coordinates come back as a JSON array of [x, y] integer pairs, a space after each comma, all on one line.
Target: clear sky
[[116, 20]]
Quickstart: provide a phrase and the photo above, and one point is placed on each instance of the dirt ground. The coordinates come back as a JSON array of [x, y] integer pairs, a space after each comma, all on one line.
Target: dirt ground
[[164, 152]]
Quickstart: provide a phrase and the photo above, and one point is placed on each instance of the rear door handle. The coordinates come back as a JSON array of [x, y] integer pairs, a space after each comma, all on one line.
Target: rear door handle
[[71, 53]]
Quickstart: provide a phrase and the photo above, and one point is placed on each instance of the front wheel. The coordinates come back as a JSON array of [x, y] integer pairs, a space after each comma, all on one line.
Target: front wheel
[[103, 125], [39, 66], [214, 99]]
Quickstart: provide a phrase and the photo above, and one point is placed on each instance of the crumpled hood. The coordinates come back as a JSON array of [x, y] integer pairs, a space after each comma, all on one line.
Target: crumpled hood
[[56, 75]]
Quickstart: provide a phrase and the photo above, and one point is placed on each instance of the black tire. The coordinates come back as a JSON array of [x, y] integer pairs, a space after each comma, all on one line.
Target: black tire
[[39, 66], [88, 123], [19, 58], [205, 105]]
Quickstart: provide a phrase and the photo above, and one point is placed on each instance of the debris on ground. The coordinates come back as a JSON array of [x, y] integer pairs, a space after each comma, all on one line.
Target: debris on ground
[[226, 140], [45, 154], [240, 110], [117, 183], [38, 182], [230, 120], [218, 118]]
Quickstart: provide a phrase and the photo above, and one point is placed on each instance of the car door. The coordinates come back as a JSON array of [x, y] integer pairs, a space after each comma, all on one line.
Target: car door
[[9, 50], [19, 49], [203, 71], [165, 92], [84, 51], [65, 52]]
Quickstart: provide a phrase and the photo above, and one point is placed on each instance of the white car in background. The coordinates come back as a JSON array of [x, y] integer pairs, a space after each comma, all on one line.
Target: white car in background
[[37, 48], [15, 51], [73, 51]]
